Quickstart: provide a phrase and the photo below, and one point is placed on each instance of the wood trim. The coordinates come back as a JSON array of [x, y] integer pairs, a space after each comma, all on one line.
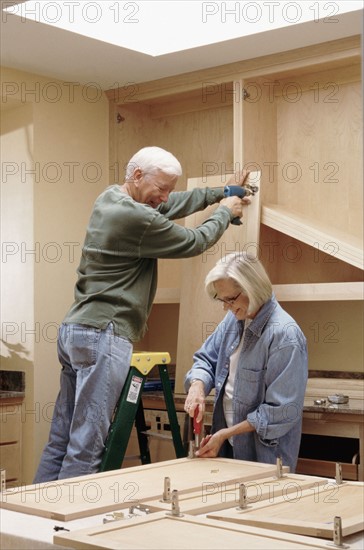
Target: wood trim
[[326, 468], [319, 292], [327, 54]]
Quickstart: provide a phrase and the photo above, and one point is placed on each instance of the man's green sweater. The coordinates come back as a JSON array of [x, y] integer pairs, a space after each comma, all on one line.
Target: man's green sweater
[[117, 275]]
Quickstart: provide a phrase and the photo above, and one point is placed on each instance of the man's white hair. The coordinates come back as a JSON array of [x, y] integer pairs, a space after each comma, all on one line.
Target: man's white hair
[[153, 159]]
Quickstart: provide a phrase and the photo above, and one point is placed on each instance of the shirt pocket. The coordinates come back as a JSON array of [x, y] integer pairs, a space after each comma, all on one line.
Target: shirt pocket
[[250, 388]]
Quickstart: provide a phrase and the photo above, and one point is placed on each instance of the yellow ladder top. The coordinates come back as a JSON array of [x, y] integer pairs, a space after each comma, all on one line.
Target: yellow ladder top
[[144, 361]]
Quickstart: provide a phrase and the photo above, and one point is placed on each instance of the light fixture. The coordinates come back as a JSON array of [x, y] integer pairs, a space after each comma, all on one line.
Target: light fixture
[[162, 27]]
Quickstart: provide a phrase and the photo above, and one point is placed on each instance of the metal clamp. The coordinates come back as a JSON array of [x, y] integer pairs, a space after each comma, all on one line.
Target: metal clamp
[[2, 480], [242, 498], [338, 535], [167, 490], [175, 505], [279, 468], [114, 516], [338, 473], [140, 508]]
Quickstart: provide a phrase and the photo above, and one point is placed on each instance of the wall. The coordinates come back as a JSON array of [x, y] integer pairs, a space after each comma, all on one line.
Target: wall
[[54, 164]]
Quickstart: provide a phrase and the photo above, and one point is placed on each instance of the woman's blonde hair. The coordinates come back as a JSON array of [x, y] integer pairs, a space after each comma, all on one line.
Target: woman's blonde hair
[[247, 273]]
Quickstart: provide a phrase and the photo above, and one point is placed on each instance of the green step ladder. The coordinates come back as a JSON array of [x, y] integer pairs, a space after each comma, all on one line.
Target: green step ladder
[[129, 411]]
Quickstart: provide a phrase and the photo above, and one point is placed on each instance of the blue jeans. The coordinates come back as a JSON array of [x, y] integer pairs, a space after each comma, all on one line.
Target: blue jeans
[[95, 364]]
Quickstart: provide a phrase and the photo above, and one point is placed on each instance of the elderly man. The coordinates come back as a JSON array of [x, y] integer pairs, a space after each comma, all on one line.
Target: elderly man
[[130, 228]]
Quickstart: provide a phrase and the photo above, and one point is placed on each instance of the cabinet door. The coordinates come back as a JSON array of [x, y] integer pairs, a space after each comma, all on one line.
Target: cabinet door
[[199, 316]]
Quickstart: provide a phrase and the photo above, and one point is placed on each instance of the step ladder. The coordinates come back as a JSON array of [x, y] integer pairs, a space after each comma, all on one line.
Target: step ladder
[[129, 411]]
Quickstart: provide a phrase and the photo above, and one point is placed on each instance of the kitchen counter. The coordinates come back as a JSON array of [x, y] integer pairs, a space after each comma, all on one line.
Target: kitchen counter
[[322, 388], [9, 394], [327, 419]]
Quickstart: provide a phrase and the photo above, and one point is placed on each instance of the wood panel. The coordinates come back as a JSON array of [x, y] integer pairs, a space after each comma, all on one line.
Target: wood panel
[[199, 316], [73, 498], [310, 513], [319, 154], [201, 140], [161, 532], [219, 496]]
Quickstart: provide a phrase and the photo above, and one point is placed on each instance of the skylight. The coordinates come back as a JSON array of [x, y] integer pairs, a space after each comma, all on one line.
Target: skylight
[[162, 27]]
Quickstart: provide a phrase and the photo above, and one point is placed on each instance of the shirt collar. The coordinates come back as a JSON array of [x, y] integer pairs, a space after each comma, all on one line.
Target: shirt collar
[[260, 320]]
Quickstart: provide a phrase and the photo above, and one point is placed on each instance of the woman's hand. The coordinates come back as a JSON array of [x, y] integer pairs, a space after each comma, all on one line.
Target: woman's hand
[[211, 444], [196, 399]]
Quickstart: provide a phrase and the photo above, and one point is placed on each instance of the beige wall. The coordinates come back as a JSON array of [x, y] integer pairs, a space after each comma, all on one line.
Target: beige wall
[[54, 164]]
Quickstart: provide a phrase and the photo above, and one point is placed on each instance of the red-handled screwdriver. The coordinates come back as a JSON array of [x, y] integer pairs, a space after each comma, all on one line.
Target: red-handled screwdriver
[[197, 429]]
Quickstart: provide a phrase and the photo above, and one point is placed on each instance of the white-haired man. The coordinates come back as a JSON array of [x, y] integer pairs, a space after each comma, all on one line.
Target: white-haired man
[[130, 228]]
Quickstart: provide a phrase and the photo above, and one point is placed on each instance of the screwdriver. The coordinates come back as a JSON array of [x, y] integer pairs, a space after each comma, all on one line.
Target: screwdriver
[[197, 429]]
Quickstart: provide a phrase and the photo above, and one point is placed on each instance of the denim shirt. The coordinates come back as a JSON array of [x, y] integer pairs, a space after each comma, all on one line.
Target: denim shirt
[[270, 382]]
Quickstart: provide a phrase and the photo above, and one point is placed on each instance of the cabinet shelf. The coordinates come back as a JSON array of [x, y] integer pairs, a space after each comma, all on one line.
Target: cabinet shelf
[[319, 292], [336, 243], [167, 296]]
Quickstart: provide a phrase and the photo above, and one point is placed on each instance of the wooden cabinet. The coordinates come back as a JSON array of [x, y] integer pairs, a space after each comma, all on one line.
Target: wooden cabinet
[[296, 118], [10, 439]]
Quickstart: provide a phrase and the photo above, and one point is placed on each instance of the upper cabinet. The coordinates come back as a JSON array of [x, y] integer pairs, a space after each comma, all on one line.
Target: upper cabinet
[[295, 118], [302, 126]]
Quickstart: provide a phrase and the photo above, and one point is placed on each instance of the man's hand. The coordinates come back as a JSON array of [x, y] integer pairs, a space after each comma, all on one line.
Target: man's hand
[[235, 205]]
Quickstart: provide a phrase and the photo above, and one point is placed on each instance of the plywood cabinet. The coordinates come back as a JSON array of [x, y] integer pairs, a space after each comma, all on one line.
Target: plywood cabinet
[[296, 118]]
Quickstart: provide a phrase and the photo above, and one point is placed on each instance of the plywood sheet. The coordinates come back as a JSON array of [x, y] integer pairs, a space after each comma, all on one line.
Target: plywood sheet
[[193, 329], [219, 496], [162, 532], [83, 496], [311, 513]]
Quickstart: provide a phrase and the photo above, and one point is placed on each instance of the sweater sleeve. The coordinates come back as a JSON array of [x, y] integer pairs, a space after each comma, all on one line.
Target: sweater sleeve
[[166, 239], [184, 203]]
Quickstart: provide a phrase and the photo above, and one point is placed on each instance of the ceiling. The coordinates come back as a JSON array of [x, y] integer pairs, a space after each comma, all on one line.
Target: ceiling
[[57, 54]]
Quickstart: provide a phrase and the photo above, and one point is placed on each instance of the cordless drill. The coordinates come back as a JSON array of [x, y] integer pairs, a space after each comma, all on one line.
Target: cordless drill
[[241, 192]]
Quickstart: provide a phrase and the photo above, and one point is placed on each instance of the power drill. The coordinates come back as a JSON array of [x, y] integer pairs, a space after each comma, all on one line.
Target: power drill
[[241, 192]]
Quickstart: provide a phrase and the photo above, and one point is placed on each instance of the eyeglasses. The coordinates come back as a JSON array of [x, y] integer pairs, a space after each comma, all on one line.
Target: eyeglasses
[[228, 301]]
